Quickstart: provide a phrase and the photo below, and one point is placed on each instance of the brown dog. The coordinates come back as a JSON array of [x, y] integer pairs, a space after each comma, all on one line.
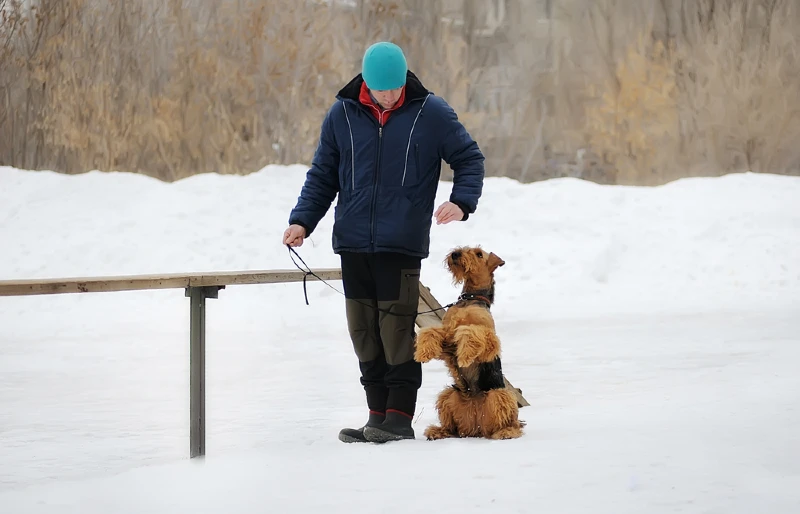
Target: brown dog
[[478, 404]]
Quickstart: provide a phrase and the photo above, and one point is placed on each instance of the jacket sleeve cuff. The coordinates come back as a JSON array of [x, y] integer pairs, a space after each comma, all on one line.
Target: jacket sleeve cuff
[[297, 222], [463, 207]]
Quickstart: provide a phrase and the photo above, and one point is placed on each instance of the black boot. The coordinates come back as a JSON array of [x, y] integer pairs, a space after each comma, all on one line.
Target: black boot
[[356, 435], [399, 414], [395, 427], [377, 396]]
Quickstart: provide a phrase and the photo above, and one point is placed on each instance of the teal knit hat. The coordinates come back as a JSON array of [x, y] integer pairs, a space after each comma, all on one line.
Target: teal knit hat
[[384, 66]]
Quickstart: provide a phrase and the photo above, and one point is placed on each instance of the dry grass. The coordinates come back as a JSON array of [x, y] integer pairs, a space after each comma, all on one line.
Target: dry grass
[[632, 117], [615, 91], [173, 90], [740, 89]]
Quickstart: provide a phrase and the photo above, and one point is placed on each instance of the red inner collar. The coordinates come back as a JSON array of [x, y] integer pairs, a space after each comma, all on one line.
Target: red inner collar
[[381, 114]]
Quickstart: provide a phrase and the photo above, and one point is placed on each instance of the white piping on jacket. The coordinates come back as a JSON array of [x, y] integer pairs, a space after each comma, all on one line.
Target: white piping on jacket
[[408, 147], [352, 147]]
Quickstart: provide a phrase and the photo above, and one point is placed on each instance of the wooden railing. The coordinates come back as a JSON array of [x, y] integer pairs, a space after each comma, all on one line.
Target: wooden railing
[[198, 287]]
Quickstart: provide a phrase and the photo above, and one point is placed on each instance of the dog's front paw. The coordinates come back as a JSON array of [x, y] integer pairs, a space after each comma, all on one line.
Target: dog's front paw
[[426, 354], [428, 345]]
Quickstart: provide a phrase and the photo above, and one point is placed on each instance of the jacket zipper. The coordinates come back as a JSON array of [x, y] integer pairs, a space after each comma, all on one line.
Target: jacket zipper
[[375, 190], [376, 175]]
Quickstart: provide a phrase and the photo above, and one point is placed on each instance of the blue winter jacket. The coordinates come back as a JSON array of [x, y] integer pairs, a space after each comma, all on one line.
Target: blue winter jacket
[[386, 177]]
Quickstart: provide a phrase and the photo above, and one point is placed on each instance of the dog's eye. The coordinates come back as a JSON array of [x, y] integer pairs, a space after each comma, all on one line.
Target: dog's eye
[[480, 255]]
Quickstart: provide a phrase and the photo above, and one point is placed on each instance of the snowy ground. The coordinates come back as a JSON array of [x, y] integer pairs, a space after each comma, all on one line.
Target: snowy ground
[[654, 331]]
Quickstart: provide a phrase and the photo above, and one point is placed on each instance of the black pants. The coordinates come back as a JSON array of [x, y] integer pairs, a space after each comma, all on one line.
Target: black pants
[[382, 295]]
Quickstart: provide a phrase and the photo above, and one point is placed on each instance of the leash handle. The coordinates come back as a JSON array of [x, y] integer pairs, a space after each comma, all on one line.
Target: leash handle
[[305, 273]]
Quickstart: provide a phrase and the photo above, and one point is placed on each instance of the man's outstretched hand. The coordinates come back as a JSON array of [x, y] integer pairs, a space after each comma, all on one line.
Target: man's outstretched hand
[[294, 235], [448, 212]]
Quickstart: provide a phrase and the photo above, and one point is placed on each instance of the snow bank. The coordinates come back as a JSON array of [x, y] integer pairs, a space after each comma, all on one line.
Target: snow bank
[[654, 331], [571, 246]]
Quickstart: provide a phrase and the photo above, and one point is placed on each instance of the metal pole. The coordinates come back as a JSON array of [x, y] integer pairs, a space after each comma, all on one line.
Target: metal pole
[[197, 366]]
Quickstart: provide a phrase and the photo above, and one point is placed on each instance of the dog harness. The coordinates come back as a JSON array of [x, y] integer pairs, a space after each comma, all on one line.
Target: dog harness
[[490, 376]]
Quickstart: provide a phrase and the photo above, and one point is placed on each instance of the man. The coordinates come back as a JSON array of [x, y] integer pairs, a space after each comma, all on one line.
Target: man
[[380, 149]]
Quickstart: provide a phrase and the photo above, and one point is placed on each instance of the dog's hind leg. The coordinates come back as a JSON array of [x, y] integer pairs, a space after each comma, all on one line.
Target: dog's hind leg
[[475, 343], [507, 433], [429, 344], [501, 415], [445, 406]]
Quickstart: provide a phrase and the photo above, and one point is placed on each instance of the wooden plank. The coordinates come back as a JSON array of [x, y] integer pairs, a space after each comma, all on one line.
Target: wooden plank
[[432, 319], [261, 277], [431, 302], [166, 281], [521, 401], [428, 319]]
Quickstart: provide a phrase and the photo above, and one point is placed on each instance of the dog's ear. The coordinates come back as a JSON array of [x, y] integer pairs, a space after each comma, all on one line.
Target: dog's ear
[[494, 261]]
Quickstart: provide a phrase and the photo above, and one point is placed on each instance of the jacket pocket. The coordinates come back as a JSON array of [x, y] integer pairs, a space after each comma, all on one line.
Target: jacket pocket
[[417, 167], [414, 171], [346, 171], [410, 289]]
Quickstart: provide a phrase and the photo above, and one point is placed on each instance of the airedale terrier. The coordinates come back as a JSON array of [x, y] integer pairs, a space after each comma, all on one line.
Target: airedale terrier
[[478, 404]]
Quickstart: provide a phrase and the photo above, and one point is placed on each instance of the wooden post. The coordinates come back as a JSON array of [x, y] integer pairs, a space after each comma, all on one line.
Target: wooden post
[[431, 319], [197, 366]]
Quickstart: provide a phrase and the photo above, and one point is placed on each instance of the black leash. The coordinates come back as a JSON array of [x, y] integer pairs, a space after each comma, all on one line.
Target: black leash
[[308, 272]]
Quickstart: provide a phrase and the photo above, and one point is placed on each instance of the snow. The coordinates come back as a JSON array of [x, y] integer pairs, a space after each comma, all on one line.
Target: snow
[[654, 331]]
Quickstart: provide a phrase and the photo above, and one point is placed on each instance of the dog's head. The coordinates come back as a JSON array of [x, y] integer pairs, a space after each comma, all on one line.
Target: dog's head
[[473, 266]]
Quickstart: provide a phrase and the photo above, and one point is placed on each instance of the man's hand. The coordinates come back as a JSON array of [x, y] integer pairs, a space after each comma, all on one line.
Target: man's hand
[[294, 235], [448, 212]]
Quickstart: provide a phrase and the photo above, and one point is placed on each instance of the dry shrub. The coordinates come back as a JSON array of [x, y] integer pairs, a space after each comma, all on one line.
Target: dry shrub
[[614, 91], [178, 88], [708, 87], [632, 120], [739, 79], [230, 94]]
